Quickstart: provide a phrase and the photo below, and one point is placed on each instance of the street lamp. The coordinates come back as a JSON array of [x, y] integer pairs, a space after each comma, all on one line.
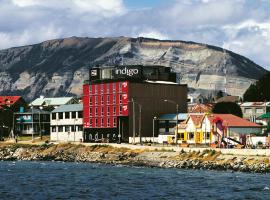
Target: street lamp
[[154, 127], [177, 110], [133, 120]]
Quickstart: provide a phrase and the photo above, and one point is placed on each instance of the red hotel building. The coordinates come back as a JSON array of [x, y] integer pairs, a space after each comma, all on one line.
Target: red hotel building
[[109, 95]]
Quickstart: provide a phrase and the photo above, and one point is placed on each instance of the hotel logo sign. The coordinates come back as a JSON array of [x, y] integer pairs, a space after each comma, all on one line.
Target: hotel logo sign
[[127, 71]]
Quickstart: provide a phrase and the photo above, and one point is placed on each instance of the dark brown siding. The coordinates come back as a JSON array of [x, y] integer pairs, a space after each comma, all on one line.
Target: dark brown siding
[[151, 96]]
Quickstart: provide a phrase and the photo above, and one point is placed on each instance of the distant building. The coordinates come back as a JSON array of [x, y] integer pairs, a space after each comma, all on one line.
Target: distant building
[[200, 108], [211, 129], [194, 98], [14, 102], [66, 123], [9, 105], [252, 110], [166, 125], [32, 121], [52, 103], [234, 99], [120, 103]]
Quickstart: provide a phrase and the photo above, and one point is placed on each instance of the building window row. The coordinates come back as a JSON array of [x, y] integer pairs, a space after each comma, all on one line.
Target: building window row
[[105, 88], [108, 99], [66, 128], [94, 111], [67, 115], [102, 122]]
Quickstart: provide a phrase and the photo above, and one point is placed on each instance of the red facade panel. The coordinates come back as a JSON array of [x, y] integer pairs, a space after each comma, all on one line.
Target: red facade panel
[[112, 97]]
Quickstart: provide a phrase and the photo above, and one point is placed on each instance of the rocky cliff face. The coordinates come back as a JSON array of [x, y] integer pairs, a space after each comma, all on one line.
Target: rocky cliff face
[[58, 67]]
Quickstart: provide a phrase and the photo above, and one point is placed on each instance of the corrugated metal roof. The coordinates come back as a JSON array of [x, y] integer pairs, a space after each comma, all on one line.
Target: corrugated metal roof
[[255, 104], [181, 116], [69, 108], [51, 101], [265, 116], [230, 120]]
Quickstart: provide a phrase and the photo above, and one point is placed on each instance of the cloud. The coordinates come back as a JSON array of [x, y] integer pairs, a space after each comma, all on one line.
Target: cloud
[[242, 26], [153, 34]]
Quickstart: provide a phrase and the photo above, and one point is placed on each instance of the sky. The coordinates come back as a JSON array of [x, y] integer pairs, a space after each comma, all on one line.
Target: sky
[[242, 26]]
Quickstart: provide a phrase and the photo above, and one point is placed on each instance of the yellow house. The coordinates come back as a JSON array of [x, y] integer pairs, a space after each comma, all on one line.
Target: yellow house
[[195, 130]]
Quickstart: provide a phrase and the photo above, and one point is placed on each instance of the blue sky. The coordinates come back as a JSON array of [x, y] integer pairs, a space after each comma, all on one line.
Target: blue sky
[[242, 26]]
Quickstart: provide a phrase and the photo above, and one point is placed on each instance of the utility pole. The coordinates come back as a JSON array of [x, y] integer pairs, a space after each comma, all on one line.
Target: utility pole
[[133, 120], [140, 122]]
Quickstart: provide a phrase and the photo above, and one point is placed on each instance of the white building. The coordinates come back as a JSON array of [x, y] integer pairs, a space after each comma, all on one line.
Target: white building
[[66, 123]]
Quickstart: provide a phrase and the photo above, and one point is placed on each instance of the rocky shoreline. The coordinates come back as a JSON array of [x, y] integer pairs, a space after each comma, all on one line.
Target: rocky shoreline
[[206, 159]]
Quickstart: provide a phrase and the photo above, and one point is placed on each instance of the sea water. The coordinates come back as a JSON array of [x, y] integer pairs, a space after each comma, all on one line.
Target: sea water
[[59, 180]]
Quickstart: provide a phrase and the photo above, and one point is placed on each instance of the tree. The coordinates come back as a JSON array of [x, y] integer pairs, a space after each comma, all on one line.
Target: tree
[[259, 91], [228, 108]]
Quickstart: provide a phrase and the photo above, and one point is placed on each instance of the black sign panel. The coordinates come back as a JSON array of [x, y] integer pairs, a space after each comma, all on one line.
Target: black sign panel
[[127, 72], [94, 73], [101, 135]]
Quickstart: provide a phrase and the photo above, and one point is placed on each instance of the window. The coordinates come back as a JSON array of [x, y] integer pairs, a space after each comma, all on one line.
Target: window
[[73, 114], [96, 89], [90, 111], [96, 111], [96, 122], [114, 121], [90, 101], [53, 115], [248, 110], [60, 115], [114, 110], [108, 122], [181, 136], [90, 89], [120, 98], [79, 128], [67, 129], [60, 128], [44, 117], [102, 100], [207, 135], [259, 110], [102, 111], [108, 88], [80, 113], [114, 99], [191, 136], [101, 88], [73, 128], [53, 128], [96, 100], [102, 122], [91, 122], [108, 99], [120, 87], [114, 87], [67, 115], [120, 109]]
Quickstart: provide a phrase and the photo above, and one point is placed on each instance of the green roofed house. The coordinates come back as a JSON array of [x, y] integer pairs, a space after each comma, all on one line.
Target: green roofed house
[[52, 103], [265, 118], [66, 123]]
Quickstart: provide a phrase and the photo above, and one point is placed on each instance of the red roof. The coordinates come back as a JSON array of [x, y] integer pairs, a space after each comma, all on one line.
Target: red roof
[[230, 120], [197, 119], [8, 100]]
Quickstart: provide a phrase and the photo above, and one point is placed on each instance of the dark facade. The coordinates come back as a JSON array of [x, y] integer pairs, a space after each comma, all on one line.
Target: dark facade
[[112, 102], [32, 121]]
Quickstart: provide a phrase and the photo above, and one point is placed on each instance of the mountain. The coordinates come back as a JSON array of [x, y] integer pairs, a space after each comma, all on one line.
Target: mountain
[[59, 67]]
